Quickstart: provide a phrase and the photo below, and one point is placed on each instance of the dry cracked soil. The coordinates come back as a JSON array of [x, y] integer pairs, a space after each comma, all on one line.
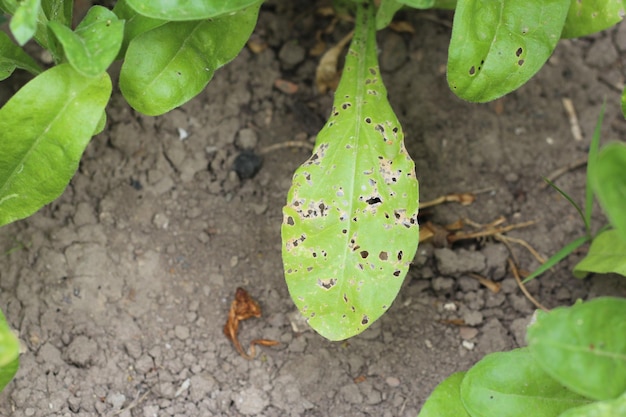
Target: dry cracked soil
[[119, 289]]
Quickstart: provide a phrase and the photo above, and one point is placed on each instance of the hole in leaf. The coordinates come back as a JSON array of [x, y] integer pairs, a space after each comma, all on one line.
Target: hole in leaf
[[400, 255], [368, 120], [396, 273], [364, 254], [520, 62], [519, 52], [327, 284], [472, 70], [373, 200], [345, 297], [383, 256], [290, 221], [365, 320]]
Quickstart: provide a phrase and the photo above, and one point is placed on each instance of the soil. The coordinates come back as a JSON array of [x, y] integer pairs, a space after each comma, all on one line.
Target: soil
[[119, 289]]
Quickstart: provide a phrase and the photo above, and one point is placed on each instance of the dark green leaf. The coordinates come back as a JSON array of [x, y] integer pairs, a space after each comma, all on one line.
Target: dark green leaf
[[608, 180], [584, 346], [589, 16], [607, 253], [349, 227], [9, 353], [24, 22], [92, 47], [167, 66], [498, 45], [180, 10], [45, 128], [58, 11], [512, 384], [445, 400], [12, 57]]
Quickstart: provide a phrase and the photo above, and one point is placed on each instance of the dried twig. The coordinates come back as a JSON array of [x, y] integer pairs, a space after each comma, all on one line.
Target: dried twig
[[494, 287], [286, 144], [568, 104], [532, 299], [461, 198], [564, 169], [490, 230]]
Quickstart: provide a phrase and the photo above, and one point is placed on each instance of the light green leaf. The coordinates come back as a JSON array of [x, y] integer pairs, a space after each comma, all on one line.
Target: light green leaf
[[181, 10], [9, 353], [607, 254], [92, 47], [24, 22], [135, 24], [589, 16], [385, 12], [584, 346], [608, 180], [512, 384], [613, 408], [167, 66], [498, 45], [445, 400], [557, 257], [592, 162], [41, 149], [12, 57], [350, 224]]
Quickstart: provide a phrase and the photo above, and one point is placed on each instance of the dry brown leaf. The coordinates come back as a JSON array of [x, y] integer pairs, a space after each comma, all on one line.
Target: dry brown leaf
[[402, 26], [243, 307], [326, 74]]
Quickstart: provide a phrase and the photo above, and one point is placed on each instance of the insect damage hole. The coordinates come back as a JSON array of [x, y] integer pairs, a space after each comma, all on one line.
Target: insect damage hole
[[519, 52], [383, 256], [373, 200], [327, 284], [365, 320], [364, 254]]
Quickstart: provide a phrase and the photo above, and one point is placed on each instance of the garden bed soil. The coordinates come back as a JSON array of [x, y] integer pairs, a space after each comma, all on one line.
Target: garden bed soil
[[119, 289]]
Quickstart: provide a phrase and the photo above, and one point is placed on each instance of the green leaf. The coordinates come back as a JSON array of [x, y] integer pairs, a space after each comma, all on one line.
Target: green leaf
[[512, 384], [388, 8], [445, 400], [167, 66], [498, 45], [9, 353], [24, 22], [589, 16], [135, 24], [584, 346], [608, 180], [181, 10], [58, 11], [385, 12], [41, 149], [592, 163], [92, 47], [12, 57], [557, 257], [612, 408], [349, 228], [607, 254]]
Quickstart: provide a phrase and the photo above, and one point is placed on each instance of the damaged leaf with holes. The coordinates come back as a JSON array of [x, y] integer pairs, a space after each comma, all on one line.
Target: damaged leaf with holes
[[498, 45], [350, 224]]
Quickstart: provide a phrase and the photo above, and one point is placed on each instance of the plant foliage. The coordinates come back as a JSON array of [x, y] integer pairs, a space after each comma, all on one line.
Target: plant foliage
[[350, 224]]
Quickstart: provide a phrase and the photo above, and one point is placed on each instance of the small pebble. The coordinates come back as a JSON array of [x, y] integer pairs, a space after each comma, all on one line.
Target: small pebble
[[392, 381], [247, 164]]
